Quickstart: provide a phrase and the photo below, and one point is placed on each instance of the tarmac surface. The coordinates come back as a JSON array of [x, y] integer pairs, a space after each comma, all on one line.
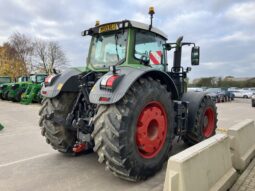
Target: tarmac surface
[[27, 162]]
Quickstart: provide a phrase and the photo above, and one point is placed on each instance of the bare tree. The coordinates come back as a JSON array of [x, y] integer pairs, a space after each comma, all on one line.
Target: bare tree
[[50, 56], [57, 58], [24, 49], [40, 53]]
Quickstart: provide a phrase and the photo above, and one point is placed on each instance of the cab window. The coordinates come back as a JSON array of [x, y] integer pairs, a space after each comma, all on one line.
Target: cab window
[[40, 79], [149, 46]]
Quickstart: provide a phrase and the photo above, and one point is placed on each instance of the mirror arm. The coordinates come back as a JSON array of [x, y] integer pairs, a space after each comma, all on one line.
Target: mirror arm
[[189, 43]]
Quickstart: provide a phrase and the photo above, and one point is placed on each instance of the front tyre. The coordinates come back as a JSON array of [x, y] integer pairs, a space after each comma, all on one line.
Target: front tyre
[[53, 115], [134, 136], [18, 95], [204, 124]]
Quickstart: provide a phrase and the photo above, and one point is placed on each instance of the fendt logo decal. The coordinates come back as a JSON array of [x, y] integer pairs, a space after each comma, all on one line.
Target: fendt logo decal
[[155, 57]]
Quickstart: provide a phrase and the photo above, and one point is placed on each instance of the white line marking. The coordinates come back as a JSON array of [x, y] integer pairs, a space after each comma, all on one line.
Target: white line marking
[[24, 160]]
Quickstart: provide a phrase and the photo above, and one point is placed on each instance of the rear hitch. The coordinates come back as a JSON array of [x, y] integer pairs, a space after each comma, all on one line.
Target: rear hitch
[[79, 147]]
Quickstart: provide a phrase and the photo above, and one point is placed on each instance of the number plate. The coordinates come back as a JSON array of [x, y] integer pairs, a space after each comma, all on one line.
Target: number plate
[[109, 27]]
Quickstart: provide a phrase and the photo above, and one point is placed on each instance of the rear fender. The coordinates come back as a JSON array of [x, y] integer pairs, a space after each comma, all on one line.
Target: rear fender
[[67, 82], [130, 76]]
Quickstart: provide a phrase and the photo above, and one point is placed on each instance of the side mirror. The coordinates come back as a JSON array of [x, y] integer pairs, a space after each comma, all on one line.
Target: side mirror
[[167, 46], [195, 55]]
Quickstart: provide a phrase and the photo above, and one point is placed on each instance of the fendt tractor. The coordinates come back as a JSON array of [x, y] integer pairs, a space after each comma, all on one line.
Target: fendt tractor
[[126, 104]]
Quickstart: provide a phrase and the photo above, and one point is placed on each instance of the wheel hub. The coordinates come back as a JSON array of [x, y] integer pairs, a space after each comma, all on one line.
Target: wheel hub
[[151, 129], [209, 122]]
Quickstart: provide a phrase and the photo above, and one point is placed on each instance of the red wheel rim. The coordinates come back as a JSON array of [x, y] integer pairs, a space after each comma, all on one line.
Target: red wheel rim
[[209, 122], [151, 129]]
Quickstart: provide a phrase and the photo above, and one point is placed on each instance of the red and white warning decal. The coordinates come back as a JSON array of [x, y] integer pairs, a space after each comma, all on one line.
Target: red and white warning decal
[[155, 57]]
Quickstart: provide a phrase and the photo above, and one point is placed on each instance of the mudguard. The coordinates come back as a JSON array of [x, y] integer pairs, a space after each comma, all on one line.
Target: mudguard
[[130, 76], [194, 99], [67, 81]]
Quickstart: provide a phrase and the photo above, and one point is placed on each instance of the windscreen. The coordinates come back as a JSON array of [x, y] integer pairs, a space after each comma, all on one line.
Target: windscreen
[[108, 49], [33, 78], [40, 78]]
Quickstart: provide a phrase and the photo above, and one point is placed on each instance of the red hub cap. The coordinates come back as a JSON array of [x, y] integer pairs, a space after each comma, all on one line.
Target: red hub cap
[[151, 129], [209, 122]]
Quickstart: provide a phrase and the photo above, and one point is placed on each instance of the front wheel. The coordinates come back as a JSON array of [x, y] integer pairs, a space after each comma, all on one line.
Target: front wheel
[[134, 136], [204, 122], [5, 95], [18, 95]]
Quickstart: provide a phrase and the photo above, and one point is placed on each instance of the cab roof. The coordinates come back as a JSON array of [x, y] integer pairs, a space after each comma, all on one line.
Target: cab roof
[[144, 26], [125, 24]]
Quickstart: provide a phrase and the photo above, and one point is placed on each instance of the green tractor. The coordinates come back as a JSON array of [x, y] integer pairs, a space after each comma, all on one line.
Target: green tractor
[[5, 89], [16, 89], [32, 92], [19, 88], [4, 81], [127, 105]]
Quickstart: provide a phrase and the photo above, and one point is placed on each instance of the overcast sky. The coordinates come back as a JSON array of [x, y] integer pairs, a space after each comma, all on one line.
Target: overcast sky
[[224, 29]]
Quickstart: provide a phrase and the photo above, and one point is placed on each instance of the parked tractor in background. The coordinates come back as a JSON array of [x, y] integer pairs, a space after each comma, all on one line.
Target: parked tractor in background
[[32, 92], [16, 89], [4, 81], [127, 104], [20, 87], [7, 88]]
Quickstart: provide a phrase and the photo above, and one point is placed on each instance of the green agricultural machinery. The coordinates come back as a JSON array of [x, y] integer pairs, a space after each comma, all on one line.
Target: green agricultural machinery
[[19, 88], [4, 81], [128, 104], [32, 93], [14, 90], [7, 87]]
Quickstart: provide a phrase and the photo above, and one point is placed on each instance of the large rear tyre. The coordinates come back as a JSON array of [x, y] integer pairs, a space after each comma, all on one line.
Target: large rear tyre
[[134, 136], [53, 114], [205, 122]]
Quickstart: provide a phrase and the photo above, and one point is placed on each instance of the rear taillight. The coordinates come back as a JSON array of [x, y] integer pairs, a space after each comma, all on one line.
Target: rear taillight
[[104, 99], [110, 82], [44, 92]]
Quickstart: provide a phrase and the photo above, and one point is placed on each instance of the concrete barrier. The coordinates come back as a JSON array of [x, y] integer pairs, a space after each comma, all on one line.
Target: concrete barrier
[[202, 167], [242, 144]]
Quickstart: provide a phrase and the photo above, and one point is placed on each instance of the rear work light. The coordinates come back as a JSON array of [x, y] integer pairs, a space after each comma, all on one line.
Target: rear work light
[[110, 82]]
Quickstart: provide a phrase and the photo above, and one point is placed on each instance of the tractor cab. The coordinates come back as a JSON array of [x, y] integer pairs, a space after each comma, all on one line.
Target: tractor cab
[[37, 78], [22, 79], [125, 43]]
